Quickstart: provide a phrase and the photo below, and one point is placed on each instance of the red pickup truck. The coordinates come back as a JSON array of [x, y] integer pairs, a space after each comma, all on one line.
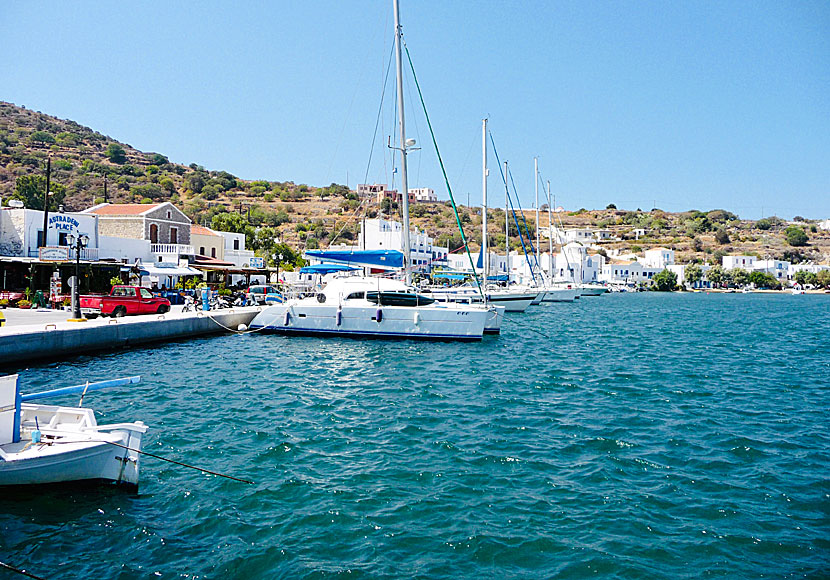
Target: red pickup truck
[[122, 301]]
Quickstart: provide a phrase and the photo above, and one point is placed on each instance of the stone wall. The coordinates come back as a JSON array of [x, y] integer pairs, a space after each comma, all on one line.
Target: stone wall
[[122, 227], [12, 226]]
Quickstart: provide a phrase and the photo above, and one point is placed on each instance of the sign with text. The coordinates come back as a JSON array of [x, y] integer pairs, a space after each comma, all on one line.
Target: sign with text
[[257, 262], [53, 254], [64, 223]]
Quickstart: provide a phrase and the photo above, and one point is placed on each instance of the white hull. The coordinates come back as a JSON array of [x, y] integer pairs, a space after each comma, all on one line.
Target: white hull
[[512, 301], [72, 448], [561, 294], [592, 290]]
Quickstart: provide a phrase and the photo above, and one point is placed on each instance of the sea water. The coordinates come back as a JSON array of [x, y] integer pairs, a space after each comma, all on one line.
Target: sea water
[[622, 436]]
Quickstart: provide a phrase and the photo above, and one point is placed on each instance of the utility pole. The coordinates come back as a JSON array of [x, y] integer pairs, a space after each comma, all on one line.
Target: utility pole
[[46, 198], [106, 199]]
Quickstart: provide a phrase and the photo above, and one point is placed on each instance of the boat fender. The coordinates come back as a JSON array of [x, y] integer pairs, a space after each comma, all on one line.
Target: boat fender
[[379, 315], [321, 297], [417, 318], [35, 436], [287, 318], [339, 320]]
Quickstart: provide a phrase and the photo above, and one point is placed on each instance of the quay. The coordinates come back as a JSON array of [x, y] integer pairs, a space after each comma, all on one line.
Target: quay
[[26, 342]]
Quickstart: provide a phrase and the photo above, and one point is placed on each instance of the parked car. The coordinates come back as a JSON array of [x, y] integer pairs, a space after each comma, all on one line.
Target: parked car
[[265, 294], [123, 301]]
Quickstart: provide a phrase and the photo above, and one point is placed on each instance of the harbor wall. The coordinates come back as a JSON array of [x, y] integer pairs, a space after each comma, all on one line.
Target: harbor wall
[[24, 343]]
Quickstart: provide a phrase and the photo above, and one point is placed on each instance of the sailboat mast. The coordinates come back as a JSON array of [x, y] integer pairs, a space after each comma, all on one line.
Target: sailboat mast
[[550, 231], [407, 257], [485, 256], [506, 224], [536, 188]]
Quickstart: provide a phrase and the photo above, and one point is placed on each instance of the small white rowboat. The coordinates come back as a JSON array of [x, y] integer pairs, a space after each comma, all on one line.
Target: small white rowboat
[[50, 444]]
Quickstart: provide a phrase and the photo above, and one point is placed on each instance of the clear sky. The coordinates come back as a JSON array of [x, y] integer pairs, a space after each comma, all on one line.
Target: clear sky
[[684, 104]]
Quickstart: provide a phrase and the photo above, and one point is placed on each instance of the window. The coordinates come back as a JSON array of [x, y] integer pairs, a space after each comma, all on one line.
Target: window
[[146, 293], [213, 252], [236, 243], [202, 251], [174, 235], [62, 239], [169, 215], [154, 234], [40, 241], [356, 296]]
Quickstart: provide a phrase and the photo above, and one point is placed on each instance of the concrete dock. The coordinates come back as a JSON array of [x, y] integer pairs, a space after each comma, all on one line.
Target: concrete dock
[[25, 342]]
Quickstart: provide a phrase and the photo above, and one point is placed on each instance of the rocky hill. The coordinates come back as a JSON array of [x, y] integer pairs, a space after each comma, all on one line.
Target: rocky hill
[[84, 161]]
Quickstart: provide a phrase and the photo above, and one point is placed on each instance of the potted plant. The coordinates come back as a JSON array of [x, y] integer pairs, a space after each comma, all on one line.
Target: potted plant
[[24, 304]]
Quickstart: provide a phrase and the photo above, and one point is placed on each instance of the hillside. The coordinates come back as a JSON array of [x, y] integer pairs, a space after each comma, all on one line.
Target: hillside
[[304, 216]]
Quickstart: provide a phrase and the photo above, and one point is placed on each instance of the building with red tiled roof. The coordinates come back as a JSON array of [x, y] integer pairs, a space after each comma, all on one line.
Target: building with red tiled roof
[[207, 243], [159, 223]]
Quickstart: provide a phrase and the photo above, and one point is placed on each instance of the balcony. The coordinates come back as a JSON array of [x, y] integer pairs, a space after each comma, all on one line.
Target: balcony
[[172, 249]]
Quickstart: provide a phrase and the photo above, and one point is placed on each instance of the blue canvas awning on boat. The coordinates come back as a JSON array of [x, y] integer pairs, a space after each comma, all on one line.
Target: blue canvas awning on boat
[[381, 258], [450, 275], [326, 268]]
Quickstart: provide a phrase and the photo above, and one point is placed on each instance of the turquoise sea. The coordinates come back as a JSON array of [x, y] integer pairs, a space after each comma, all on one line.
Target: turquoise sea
[[624, 436]]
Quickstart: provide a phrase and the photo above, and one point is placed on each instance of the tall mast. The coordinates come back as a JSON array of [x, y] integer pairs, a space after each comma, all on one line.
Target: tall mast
[[550, 232], [485, 256], [536, 187], [407, 258], [506, 224]]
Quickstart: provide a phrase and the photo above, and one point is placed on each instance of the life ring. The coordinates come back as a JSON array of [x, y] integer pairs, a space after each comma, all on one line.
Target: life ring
[[321, 298]]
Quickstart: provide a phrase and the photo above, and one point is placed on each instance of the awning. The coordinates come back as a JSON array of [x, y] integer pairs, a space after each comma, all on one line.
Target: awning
[[167, 269], [326, 268], [382, 258]]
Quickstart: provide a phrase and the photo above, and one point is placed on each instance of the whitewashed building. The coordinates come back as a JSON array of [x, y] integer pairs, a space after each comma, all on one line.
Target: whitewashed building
[[778, 268], [743, 262], [21, 233], [423, 194], [627, 273], [382, 234], [658, 258]]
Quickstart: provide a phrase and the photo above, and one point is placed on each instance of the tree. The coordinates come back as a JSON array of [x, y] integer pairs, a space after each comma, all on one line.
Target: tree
[[823, 278], [763, 224], [740, 277], [610, 206], [716, 275], [229, 222], [693, 274], [30, 189], [803, 277], [665, 281], [721, 236], [796, 236], [116, 153], [764, 280]]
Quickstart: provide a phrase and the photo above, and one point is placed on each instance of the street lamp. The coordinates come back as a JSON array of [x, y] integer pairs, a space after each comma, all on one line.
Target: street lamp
[[278, 268], [79, 242]]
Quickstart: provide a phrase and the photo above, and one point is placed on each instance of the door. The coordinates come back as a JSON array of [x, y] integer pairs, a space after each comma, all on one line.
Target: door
[[154, 234], [147, 304]]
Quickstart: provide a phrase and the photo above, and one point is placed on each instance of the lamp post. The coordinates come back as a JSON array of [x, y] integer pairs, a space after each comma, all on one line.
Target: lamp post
[[79, 242], [279, 261]]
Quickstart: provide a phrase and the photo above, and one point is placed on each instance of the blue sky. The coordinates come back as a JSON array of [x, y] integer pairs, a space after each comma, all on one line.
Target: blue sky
[[683, 104]]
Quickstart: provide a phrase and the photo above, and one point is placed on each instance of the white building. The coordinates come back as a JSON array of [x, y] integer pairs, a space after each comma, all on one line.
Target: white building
[[423, 194], [658, 258], [778, 268], [562, 236], [743, 262], [627, 273], [21, 233], [805, 267], [825, 225], [680, 272], [381, 234], [236, 254]]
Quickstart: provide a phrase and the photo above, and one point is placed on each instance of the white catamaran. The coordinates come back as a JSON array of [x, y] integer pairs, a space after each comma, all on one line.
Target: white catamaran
[[374, 307]]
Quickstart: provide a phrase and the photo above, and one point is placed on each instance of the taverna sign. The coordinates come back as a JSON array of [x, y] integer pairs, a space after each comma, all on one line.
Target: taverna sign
[[64, 223]]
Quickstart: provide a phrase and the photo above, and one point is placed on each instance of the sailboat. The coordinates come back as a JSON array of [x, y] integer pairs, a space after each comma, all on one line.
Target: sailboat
[[374, 307]]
